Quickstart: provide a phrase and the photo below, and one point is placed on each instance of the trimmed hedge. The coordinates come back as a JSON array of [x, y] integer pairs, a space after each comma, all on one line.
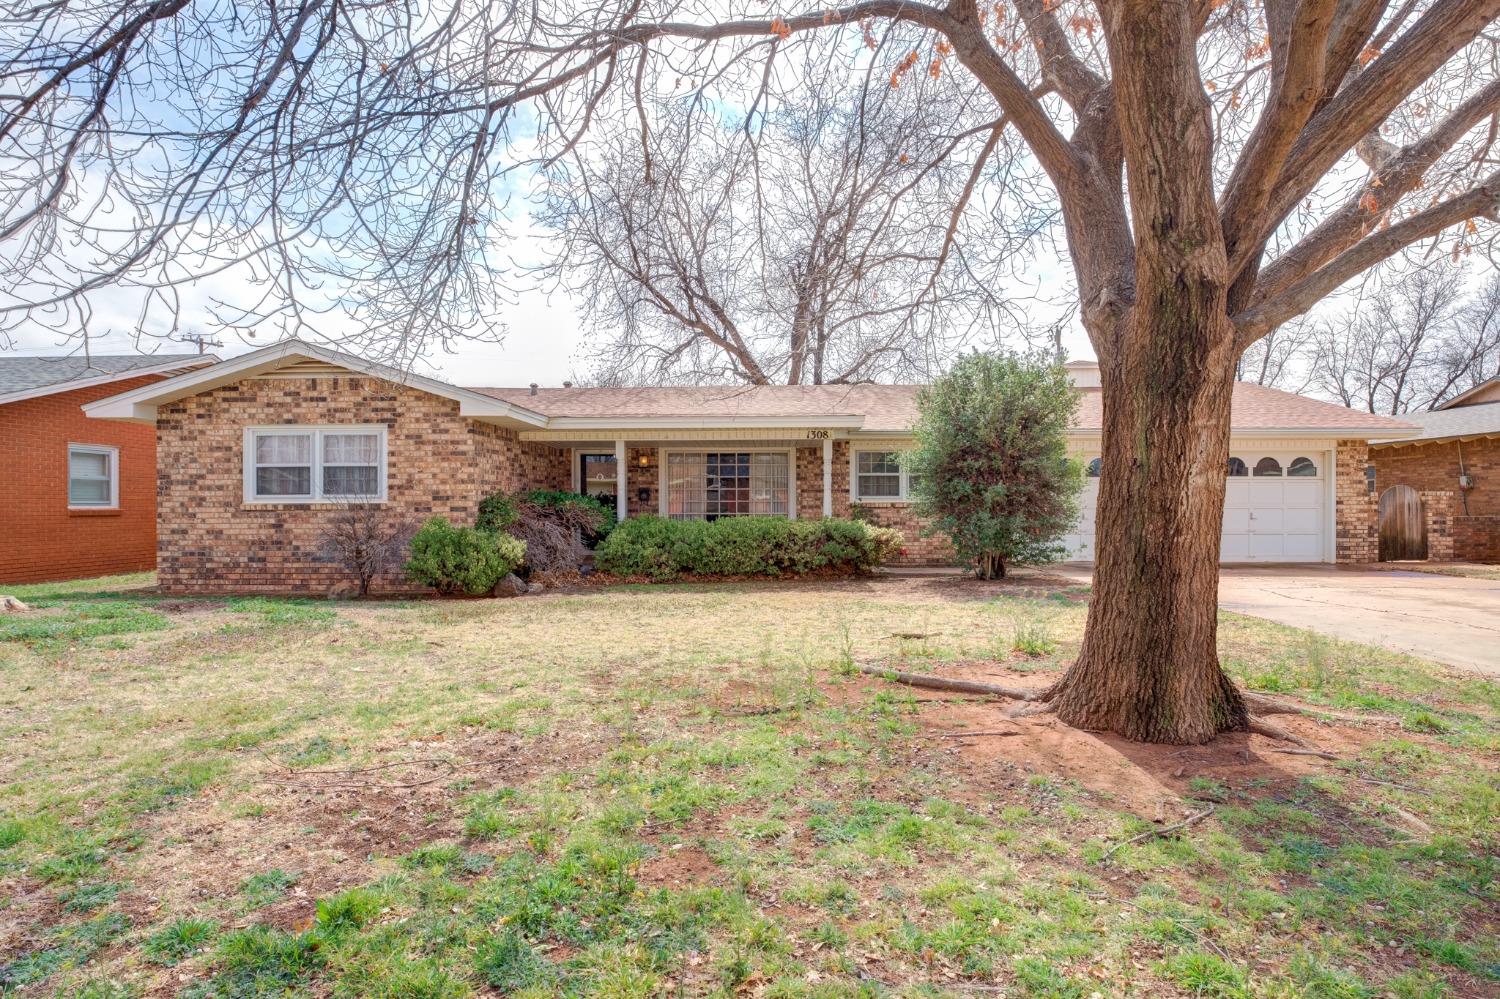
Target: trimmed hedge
[[454, 560], [744, 546]]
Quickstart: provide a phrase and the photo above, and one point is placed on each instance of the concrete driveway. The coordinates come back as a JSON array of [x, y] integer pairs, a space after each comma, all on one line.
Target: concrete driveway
[[1449, 619]]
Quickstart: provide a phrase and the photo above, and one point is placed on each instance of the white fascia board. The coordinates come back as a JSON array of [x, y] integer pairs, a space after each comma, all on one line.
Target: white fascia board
[[1474, 435], [105, 379], [140, 405], [626, 424], [1308, 433]]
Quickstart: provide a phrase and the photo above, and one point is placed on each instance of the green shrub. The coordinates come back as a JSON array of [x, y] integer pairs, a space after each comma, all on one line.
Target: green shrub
[[744, 546], [454, 560], [991, 466]]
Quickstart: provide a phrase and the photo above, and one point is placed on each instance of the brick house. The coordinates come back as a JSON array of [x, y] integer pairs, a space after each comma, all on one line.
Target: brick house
[[255, 453], [77, 496], [1453, 465]]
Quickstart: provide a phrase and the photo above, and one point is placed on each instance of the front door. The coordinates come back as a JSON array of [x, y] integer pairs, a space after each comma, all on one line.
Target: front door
[[598, 476]]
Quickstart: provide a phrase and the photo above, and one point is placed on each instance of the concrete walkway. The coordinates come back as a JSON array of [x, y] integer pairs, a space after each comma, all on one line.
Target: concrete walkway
[[1448, 619]]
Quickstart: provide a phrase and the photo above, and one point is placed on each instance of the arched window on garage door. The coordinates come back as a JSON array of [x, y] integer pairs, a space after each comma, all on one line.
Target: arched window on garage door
[[1267, 466], [1237, 468], [1093, 468], [1303, 467]]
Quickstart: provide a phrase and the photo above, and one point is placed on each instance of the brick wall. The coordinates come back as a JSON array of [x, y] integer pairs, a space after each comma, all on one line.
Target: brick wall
[[1437, 512], [810, 481], [44, 540], [638, 477], [439, 464], [1436, 466], [1357, 536], [1476, 539], [919, 550]]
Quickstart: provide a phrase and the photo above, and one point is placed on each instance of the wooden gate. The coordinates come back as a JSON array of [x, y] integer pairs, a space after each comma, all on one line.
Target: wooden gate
[[1403, 529]]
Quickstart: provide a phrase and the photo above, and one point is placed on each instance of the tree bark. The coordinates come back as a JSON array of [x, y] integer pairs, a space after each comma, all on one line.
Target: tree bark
[[1149, 667]]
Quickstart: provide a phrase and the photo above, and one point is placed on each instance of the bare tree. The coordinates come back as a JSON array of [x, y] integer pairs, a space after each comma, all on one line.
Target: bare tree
[[810, 243], [1470, 355], [1404, 343], [1276, 359], [365, 539], [1218, 169]]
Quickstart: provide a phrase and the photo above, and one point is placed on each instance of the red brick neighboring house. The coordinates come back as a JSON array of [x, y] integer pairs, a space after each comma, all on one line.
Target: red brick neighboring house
[[1453, 464], [256, 453], [77, 496]]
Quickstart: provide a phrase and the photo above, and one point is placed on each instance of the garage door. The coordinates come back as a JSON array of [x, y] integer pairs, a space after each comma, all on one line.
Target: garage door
[[1275, 510]]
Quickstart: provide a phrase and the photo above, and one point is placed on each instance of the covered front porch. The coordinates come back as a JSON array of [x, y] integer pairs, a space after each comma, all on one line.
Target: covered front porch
[[799, 472]]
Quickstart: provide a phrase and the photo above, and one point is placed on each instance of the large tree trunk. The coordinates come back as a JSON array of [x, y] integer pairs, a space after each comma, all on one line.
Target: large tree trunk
[[1149, 666]]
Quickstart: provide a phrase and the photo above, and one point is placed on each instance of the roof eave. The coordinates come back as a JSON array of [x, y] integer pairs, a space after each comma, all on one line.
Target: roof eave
[[140, 405], [82, 383], [626, 424], [1479, 435]]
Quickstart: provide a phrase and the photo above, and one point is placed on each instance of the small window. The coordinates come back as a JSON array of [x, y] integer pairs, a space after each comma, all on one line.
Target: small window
[[879, 474], [1302, 467], [309, 465], [93, 480], [1237, 468], [1093, 468], [1370, 479], [283, 465], [351, 464], [1267, 466]]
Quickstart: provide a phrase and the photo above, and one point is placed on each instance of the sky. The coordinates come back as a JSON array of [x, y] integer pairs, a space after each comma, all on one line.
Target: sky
[[544, 343]]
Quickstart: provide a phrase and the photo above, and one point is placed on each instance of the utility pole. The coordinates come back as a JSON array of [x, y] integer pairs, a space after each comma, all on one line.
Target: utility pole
[[204, 342]]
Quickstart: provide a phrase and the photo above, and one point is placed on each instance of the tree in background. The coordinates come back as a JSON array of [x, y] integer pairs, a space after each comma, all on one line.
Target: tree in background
[[796, 245], [1409, 342], [991, 467]]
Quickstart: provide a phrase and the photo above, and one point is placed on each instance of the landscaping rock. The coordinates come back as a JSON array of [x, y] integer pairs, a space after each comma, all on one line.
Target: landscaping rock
[[511, 586], [535, 588], [10, 605]]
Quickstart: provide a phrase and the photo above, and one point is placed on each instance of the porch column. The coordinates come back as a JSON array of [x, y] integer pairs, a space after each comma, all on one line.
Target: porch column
[[622, 501], [827, 476]]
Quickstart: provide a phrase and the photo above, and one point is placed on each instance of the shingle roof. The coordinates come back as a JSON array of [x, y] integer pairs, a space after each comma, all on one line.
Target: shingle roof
[[884, 407], [1461, 421], [27, 374], [894, 407]]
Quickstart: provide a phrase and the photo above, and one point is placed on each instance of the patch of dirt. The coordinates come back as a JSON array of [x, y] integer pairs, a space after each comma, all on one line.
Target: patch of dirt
[[1148, 780], [678, 865], [187, 606], [332, 827], [29, 911]]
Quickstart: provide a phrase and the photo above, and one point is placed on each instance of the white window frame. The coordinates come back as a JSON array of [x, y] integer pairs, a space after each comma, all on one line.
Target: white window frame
[[727, 446], [113, 453], [904, 488], [316, 431]]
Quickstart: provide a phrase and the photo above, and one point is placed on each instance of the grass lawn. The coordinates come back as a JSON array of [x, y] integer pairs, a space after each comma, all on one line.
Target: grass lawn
[[684, 791]]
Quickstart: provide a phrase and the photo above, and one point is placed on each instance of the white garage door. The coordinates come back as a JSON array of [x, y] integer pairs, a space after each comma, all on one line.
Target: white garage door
[[1275, 510]]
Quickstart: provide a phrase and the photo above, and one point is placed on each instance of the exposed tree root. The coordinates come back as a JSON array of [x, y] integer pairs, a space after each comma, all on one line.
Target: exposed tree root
[[1320, 754], [1032, 710], [1262, 727], [945, 683], [1038, 702], [1260, 704]]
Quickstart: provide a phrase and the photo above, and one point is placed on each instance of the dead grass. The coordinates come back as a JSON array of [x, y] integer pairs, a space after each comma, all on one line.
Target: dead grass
[[649, 790]]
